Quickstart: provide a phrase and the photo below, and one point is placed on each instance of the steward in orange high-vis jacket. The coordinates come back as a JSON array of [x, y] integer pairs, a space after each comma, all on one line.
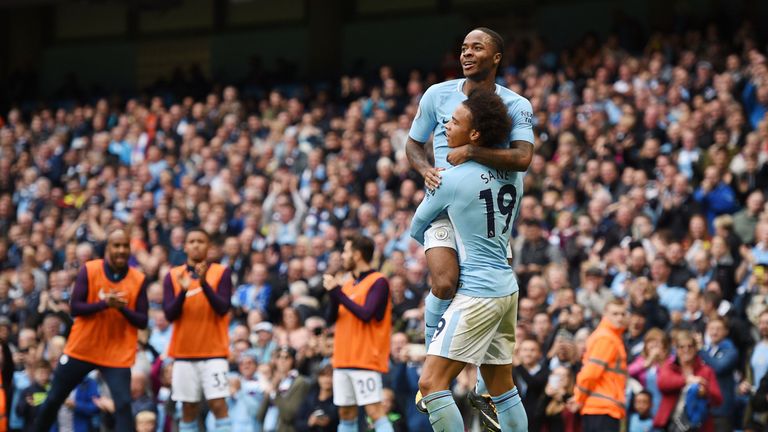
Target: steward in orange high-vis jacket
[[602, 381]]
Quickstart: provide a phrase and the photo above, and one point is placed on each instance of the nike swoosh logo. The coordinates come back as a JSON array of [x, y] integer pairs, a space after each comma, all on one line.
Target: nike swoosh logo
[[195, 291]]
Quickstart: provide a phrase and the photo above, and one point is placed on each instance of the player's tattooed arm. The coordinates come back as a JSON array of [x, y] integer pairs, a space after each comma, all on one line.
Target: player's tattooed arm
[[419, 160], [515, 158]]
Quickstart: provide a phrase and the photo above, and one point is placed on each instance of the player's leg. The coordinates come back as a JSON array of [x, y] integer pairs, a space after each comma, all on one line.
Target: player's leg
[[434, 384], [481, 390], [68, 374], [219, 409], [186, 387], [443, 265], [216, 389], [119, 382], [189, 413], [440, 246], [506, 398], [465, 331], [344, 398], [497, 370], [369, 390], [348, 419]]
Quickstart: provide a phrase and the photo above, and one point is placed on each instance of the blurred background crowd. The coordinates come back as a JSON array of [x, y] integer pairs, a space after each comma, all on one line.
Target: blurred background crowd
[[648, 183]]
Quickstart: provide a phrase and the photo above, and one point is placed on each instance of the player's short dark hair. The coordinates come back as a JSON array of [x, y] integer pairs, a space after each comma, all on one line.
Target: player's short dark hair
[[197, 229], [364, 245], [495, 37], [489, 117]]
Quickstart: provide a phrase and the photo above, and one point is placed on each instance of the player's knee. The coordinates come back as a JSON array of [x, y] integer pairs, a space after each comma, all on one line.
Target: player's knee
[[375, 411], [348, 412], [218, 407], [428, 384], [189, 410]]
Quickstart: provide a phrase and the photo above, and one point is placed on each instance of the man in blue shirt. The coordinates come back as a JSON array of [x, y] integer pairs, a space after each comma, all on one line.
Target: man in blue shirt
[[480, 57], [479, 325]]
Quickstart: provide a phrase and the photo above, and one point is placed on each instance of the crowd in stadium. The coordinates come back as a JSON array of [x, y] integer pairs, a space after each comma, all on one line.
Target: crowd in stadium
[[648, 184]]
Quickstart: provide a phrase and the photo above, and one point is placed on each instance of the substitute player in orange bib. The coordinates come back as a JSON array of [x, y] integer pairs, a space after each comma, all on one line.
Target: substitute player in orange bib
[[362, 309], [109, 304], [196, 299]]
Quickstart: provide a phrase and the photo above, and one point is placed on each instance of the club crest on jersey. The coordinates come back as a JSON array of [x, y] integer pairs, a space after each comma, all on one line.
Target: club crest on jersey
[[441, 233]]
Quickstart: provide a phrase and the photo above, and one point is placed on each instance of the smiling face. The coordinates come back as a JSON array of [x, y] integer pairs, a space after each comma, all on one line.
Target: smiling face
[[479, 55], [459, 130]]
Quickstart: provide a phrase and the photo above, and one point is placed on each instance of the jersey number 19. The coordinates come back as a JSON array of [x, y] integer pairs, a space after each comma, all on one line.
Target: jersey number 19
[[505, 209]]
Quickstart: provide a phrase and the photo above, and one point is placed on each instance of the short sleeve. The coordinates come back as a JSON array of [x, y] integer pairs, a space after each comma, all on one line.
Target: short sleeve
[[424, 122], [522, 121], [434, 203]]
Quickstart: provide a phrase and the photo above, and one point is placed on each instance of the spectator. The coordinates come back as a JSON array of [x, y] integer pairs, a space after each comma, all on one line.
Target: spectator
[[759, 403], [406, 364], [715, 196], [264, 345], [645, 368], [34, 395], [745, 221], [530, 376], [247, 395], [146, 421], [671, 297], [80, 413], [140, 399], [286, 391], [535, 252], [677, 375], [642, 419], [593, 294], [555, 416], [318, 413], [721, 355], [255, 294]]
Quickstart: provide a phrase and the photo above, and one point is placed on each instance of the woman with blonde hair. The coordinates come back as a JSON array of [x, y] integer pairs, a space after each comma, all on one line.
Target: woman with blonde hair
[[677, 377]]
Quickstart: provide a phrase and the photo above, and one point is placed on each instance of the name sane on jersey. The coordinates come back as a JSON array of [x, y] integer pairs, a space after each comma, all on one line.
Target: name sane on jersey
[[495, 175]]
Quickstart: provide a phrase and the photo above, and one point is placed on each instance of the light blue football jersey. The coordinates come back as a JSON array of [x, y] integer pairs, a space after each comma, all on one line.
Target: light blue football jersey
[[440, 101], [482, 204]]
